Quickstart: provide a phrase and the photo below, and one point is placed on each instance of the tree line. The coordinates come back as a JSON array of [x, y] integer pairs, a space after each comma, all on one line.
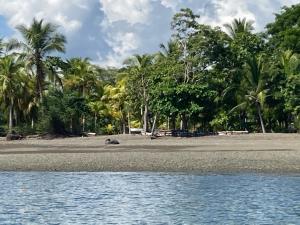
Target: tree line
[[204, 79]]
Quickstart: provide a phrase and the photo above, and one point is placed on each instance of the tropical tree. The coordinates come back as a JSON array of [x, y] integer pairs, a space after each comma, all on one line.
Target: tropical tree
[[10, 84], [139, 82], [253, 88], [239, 26], [284, 32], [291, 68], [40, 40], [80, 76]]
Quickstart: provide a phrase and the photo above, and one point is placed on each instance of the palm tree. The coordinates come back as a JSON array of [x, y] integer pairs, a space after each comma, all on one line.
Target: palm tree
[[10, 83], [239, 26], [139, 65], [81, 76], [253, 87], [170, 49], [291, 69], [40, 40], [115, 97]]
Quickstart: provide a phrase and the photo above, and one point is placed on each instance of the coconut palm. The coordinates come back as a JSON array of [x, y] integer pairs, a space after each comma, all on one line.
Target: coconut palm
[[40, 40], [253, 87], [81, 76], [239, 26], [10, 84]]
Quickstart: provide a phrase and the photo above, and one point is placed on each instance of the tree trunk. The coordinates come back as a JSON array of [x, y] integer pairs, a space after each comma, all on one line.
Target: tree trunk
[[15, 117], [123, 128], [10, 124], [71, 126], [153, 126], [145, 118], [183, 123], [168, 123], [83, 123], [129, 126], [173, 122], [260, 118], [32, 123], [40, 77], [95, 122]]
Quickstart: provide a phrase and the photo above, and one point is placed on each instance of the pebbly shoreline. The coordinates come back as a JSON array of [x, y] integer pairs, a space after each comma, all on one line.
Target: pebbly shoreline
[[258, 153]]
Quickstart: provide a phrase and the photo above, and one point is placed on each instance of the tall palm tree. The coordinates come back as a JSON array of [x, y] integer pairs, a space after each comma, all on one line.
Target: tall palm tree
[[139, 65], [253, 87], [10, 84], [239, 26], [40, 40], [81, 76]]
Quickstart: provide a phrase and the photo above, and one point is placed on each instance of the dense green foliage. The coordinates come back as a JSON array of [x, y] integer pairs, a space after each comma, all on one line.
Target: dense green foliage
[[204, 79]]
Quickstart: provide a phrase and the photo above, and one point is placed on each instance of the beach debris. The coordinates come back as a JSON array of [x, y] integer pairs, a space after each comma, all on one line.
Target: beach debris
[[111, 141], [152, 137], [13, 137]]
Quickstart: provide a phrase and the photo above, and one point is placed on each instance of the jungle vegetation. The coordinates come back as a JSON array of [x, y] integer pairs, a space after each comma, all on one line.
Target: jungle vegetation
[[203, 79]]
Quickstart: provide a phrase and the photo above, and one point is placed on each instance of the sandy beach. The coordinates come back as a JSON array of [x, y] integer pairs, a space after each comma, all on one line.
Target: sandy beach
[[269, 153]]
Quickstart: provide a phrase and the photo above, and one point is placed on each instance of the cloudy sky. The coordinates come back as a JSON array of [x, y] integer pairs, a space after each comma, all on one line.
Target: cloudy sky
[[108, 31]]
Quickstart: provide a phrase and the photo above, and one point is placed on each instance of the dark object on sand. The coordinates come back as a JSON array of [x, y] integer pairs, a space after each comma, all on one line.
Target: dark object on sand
[[13, 136], [111, 142], [152, 137]]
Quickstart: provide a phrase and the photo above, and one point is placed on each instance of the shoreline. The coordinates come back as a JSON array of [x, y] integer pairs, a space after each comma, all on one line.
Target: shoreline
[[251, 153]]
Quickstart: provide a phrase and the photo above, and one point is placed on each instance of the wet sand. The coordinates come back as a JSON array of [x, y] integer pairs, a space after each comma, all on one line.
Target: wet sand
[[270, 153]]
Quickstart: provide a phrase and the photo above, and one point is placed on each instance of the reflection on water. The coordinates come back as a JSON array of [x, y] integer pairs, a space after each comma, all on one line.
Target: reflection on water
[[148, 198]]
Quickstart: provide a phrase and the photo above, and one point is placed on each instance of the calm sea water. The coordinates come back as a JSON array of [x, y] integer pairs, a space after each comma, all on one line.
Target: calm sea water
[[148, 198]]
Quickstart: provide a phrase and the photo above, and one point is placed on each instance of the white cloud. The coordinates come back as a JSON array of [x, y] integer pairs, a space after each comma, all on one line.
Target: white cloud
[[132, 12], [64, 13], [226, 11], [172, 4], [122, 45], [108, 31]]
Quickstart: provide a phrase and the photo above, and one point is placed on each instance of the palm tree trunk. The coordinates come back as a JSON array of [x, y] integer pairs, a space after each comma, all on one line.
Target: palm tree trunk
[[10, 125], [40, 77], [260, 118]]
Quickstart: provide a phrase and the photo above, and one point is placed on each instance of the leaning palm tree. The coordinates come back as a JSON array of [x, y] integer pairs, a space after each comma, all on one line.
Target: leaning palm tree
[[40, 40], [239, 26], [253, 87], [10, 84]]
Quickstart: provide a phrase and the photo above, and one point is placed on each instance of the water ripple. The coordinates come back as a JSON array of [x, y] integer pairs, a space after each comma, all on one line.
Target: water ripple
[[148, 198]]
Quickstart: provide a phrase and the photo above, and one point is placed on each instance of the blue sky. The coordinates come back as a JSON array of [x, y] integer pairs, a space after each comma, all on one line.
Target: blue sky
[[108, 31]]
